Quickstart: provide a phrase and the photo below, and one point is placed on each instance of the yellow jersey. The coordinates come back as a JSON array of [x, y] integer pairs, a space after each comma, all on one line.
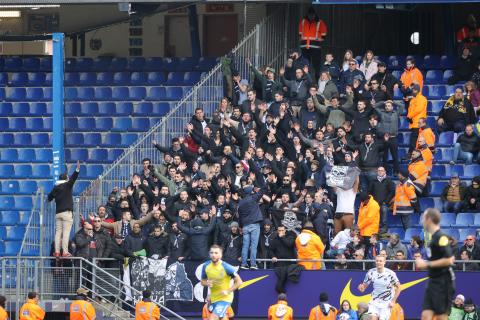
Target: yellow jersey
[[220, 274]]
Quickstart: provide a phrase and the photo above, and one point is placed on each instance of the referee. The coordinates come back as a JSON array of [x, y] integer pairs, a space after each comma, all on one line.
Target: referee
[[441, 285]]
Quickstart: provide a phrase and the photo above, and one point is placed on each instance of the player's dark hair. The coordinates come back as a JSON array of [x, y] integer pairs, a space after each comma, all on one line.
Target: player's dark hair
[[433, 214], [216, 246], [32, 295]]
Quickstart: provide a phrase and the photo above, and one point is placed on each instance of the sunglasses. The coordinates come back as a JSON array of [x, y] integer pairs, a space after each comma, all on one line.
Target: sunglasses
[[352, 64], [97, 221], [469, 239], [374, 83]]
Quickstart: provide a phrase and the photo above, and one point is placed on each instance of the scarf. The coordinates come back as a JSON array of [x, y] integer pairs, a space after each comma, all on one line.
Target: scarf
[[380, 179]]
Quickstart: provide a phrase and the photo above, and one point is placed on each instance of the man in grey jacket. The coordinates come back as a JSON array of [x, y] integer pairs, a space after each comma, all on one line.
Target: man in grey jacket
[[298, 88]]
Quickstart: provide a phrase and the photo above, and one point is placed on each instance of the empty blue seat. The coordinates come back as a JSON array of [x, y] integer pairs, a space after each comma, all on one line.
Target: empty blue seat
[[447, 62], [112, 139], [114, 154], [7, 203], [35, 94], [138, 78], [118, 64], [453, 233], [143, 109], [89, 108], [137, 93], [6, 139], [23, 139], [464, 233], [71, 94], [436, 92], [82, 64], [40, 139], [74, 139], [207, 63], [14, 233], [87, 78], [140, 124], [80, 186], [16, 94], [175, 78], [86, 124], [476, 220], [12, 248], [437, 106], [71, 124], [24, 216], [121, 78], [78, 155], [38, 79], [128, 139], [94, 171], [23, 203], [105, 78], [103, 93], [450, 90], [426, 203], [3, 79], [9, 187], [21, 109], [153, 64], [122, 124], [191, 78], [99, 155], [87, 94], [41, 171], [448, 219], [9, 155], [5, 123], [106, 108], [31, 64], [71, 79], [27, 187], [120, 93], [43, 155], [434, 77], [157, 93], [471, 171], [6, 171], [445, 139], [14, 124], [26, 155], [156, 78], [394, 220], [464, 219], [102, 63], [73, 109], [174, 93], [9, 218], [136, 64], [13, 64], [45, 64], [124, 109], [34, 124], [92, 139], [23, 171], [19, 79], [6, 109], [409, 233], [432, 62], [104, 124], [438, 171]]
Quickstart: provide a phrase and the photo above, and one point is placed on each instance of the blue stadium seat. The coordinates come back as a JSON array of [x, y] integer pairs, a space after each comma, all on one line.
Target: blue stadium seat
[[16, 94], [437, 106], [41, 139], [432, 62], [13, 64], [19, 79], [153, 64], [450, 90], [71, 124], [23, 171], [3, 79], [157, 93], [103, 93], [458, 169], [143, 109], [438, 171], [34, 124], [86, 94], [121, 78], [78, 154], [86, 124], [191, 78], [175, 79], [38, 79], [138, 78], [94, 171], [10, 187], [153, 121], [409, 233], [9, 155], [124, 109], [6, 139], [136, 64], [464, 219], [120, 93], [104, 124], [128, 139], [9, 218], [43, 155], [452, 233], [23, 139], [122, 124], [464, 233], [23, 203], [12, 248], [448, 219], [80, 186], [92, 139], [140, 124], [445, 139], [187, 63], [74, 139], [107, 108], [174, 93], [471, 171], [41, 171], [170, 64], [112, 139], [24, 216], [137, 93], [6, 109], [14, 233], [47, 94], [28, 187], [73, 109], [45, 63], [71, 94], [7, 203], [21, 109], [476, 220], [89, 108], [113, 154], [447, 62], [71, 79], [156, 78], [207, 63], [31, 64], [435, 92], [26, 155], [99, 155], [6, 171], [394, 220], [14, 124], [426, 203], [160, 108], [398, 231], [118, 64], [82, 64], [104, 78], [102, 63], [87, 79]]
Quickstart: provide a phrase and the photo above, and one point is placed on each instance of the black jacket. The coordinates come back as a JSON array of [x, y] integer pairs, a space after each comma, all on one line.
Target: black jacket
[[62, 193], [360, 123], [469, 143], [134, 242], [158, 245], [284, 247], [388, 80], [117, 251], [102, 238], [85, 246], [232, 248], [222, 230], [383, 192], [321, 213], [199, 237], [264, 242], [369, 155], [179, 246]]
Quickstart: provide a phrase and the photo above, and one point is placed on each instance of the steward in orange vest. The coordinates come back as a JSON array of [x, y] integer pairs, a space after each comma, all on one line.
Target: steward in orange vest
[[312, 32], [397, 312], [418, 171], [31, 310], [146, 309], [411, 75], [368, 215], [309, 247], [3, 313], [323, 311], [281, 310], [427, 133], [427, 154], [405, 196], [80, 309]]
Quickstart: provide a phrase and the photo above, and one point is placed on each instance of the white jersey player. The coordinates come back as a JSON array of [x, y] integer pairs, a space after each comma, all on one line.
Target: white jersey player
[[386, 289]]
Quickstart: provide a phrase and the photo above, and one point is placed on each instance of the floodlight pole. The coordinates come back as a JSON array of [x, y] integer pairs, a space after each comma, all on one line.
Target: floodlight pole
[[58, 108]]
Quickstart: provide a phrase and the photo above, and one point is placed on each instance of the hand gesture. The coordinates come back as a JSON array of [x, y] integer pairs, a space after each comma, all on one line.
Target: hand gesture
[[78, 165], [130, 191], [247, 60], [248, 156], [154, 142], [281, 71], [268, 156], [190, 127], [181, 139], [156, 207], [293, 184], [156, 191], [305, 69], [194, 184], [91, 216], [362, 287], [386, 136], [145, 183], [355, 154], [235, 196], [296, 127]]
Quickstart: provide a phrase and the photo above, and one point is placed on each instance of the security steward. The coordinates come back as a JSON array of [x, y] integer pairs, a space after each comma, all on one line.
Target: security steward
[[281, 310], [30, 309], [146, 309], [80, 308], [3, 313]]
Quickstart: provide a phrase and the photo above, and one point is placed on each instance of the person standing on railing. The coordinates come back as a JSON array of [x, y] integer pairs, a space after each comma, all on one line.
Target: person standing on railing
[[80, 308], [146, 309], [62, 193], [3, 313], [30, 309]]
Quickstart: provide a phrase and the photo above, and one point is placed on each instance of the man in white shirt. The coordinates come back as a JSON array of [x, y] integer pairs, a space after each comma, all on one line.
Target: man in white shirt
[[341, 240]]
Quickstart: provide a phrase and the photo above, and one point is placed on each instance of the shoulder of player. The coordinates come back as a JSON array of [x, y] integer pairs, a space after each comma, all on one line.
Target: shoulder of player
[[228, 267]]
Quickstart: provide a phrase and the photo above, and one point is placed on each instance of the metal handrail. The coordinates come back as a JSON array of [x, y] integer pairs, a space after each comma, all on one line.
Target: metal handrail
[[31, 228]]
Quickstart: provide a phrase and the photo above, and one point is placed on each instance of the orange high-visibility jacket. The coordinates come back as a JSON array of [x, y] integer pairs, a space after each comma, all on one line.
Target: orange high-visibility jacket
[[287, 312], [412, 76], [417, 109], [312, 250], [418, 173], [428, 135], [317, 314], [369, 218], [311, 33], [82, 310], [404, 195], [31, 311], [206, 313], [3, 314], [147, 311], [427, 158], [397, 312]]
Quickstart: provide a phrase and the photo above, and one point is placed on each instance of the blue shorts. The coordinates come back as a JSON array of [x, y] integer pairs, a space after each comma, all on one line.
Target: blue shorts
[[220, 308]]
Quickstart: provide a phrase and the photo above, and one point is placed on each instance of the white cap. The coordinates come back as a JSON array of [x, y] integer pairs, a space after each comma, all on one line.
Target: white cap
[[461, 297]]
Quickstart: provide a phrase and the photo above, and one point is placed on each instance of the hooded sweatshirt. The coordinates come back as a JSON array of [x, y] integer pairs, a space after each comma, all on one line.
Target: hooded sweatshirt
[[62, 193]]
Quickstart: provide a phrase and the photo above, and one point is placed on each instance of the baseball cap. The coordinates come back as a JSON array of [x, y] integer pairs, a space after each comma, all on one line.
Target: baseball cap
[[382, 64], [82, 291], [461, 297]]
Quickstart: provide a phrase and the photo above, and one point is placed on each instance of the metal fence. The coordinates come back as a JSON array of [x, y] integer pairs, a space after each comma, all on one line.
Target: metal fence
[[266, 44], [33, 238]]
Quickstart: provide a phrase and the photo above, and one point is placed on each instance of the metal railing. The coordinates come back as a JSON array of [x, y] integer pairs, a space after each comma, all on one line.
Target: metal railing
[[266, 44], [56, 279], [32, 243]]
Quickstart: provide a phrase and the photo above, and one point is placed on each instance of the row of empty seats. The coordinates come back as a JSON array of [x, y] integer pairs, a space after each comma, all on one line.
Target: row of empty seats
[[40, 79], [459, 234], [422, 62], [15, 64]]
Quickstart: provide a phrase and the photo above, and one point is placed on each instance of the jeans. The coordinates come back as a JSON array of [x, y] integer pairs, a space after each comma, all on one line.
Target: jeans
[[63, 226], [449, 206], [365, 177], [391, 146], [383, 218], [462, 155], [251, 234], [406, 222], [458, 126]]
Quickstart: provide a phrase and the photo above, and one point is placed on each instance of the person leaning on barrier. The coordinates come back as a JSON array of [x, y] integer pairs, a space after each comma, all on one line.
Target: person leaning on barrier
[[146, 309], [80, 308], [30, 309], [3, 313]]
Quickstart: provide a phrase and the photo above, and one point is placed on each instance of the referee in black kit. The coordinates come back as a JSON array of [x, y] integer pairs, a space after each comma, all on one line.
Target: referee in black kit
[[441, 285]]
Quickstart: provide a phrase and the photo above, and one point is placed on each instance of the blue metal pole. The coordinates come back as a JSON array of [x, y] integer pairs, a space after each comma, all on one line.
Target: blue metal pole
[[58, 109], [194, 36]]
